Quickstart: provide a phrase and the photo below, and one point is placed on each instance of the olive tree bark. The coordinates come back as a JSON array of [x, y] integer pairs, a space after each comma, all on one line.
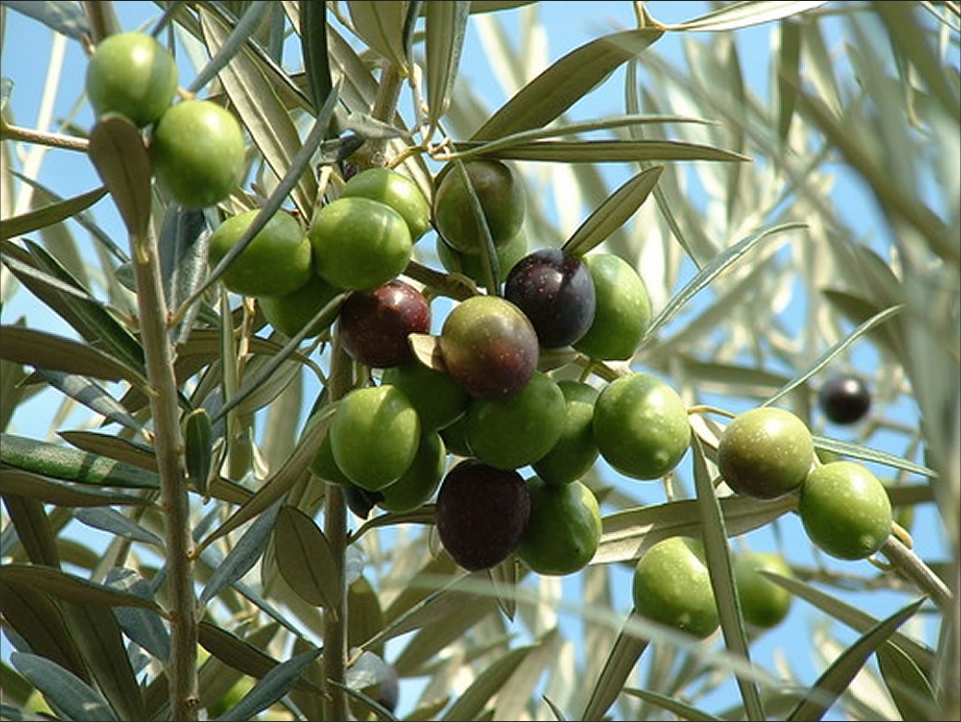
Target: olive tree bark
[[174, 497]]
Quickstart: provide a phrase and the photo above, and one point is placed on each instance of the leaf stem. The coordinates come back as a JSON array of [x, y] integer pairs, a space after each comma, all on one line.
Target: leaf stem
[[908, 563]]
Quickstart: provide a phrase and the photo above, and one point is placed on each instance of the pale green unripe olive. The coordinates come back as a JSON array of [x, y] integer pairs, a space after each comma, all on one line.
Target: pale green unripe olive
[[641, 426], [374, 435], [197, 153], [845, 510], [672, 586], [622, 311], [765, 452], [132, 74]]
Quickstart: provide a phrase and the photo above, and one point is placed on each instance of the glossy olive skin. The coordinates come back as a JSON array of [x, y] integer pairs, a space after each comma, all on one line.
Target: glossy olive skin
[[556, 292], [197, 152], [289, 314], [672, 585], [439, 399], [641, 426], [765, 452], [132, 74], [575, 451], [502, 197], [489, 347], [564, 529], [481, 513], [397, 191], [845, 510], [622, 311], [845, 399], [422, 478], [511, 433], [764, 604], [359, 243], [374, 435], [374, 325], [276, 262]]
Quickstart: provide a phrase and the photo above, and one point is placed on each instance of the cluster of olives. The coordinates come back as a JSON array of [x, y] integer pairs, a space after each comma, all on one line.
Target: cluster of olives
[[196, 146], [766, 453]]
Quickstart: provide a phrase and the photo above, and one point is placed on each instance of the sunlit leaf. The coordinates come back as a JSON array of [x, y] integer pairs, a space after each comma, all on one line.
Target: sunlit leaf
[[68, 692]]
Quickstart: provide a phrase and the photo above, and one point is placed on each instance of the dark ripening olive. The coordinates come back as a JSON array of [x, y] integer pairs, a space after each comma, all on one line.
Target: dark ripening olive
[[845, 399], [556, 292], [374, 325], [481, 513], [489, 347]]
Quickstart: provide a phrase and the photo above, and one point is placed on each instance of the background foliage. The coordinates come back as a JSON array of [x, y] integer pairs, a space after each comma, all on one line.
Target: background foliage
[[725, 198]]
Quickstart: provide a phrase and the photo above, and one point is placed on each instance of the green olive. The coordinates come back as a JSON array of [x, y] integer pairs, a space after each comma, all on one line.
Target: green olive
[[197, 152], [640, 426], [765, 452], [395, 190], [132, 74], [672, 586], [276, 262], [845, 510]]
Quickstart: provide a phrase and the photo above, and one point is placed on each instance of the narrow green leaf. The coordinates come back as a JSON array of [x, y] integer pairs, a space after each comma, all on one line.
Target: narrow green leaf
[[242, 557], [243, 28], [306, 562], [141, 625], [836, 678], [446, 28], [198, 448], [625, 652], [745, 14], [907, 684], [721, 262], [262, 113], [861, 310], [857, 619], [33, 529], [714, 534], [277, 484], [240, 654], [118, 153], [117, 448], [833, 352], [788, 75], [672, 704], [53, 284], [271, 687], [92, 395], [117, 524], [72, 588], [565, 82], [613, 212], [313, 46], [472, 702], [50, 491], [59, 15], [182, 247], [101, 642], [380, 25], [627, 534], [63, 689], [50, 214], [61, 462], [607, 151], [49, 351], [858, 451]]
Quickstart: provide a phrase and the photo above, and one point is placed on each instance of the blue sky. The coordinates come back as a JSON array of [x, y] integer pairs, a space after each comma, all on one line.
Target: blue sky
[[25, 53]]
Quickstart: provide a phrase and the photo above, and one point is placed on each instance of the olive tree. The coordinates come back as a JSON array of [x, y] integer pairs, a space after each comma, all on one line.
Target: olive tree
[[176, 544]]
